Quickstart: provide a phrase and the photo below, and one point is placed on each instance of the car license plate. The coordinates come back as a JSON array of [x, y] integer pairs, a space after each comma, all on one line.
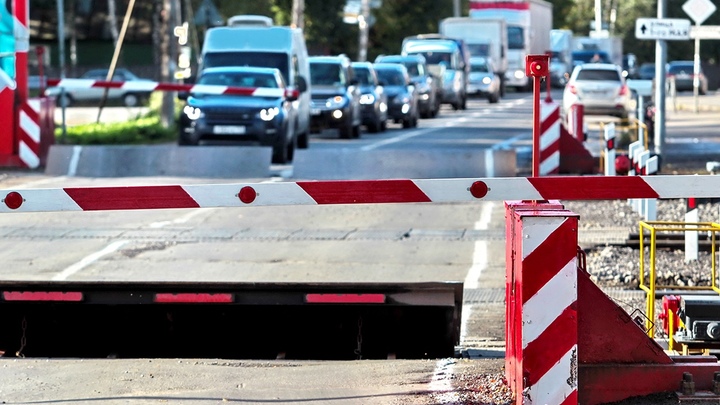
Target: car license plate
[[229, 129], [315, 111]]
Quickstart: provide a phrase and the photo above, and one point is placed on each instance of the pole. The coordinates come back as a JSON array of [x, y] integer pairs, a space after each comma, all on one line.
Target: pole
[[536, 127], [364, 29], [598, 16], [298, 11], [696, 71], [660, 82], [456, 8], [61, 61], [116, 55]]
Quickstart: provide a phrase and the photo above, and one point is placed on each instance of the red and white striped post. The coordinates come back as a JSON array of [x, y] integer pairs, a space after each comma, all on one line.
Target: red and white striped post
[[541, 361], [609, 132]]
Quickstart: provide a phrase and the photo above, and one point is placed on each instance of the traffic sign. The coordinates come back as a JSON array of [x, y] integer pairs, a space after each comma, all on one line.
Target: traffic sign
[[671, 29], [699, 10], [705, 32]]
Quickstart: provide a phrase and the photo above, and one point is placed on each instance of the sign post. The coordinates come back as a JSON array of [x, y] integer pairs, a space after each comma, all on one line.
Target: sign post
[[699, 11]]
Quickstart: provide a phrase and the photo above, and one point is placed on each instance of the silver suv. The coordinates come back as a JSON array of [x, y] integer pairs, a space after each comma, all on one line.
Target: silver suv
[[335, 96]]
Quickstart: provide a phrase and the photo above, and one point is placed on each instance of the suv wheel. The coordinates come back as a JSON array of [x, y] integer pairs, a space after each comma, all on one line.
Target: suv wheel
[[346, 131]]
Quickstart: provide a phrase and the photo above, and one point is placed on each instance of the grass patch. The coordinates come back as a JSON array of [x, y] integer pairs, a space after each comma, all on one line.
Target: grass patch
[[146, 129]]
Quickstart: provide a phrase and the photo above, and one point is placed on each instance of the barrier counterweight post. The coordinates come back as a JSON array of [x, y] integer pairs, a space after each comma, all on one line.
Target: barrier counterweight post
[[541, 361]]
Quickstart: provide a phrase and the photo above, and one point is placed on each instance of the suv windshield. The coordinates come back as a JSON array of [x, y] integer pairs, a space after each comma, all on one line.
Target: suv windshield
[[256, 59], [598, 75], [391, 77], [329, 74], [364, 77]]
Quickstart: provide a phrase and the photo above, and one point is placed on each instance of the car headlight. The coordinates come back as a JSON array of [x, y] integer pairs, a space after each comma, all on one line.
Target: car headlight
[[486, 80], [335, 102], [367, 99], [267, 114], [519, 74], [192, 113]]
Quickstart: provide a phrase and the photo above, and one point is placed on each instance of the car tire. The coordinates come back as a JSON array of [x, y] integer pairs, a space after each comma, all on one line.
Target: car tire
[[346, 131], [374, 126], [383, 126], [303, 141], [183, 140], [131, 100], [493, 98]]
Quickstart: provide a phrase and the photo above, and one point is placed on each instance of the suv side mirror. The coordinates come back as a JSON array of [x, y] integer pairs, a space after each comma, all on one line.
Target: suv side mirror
[[182, 95], [354, 82]]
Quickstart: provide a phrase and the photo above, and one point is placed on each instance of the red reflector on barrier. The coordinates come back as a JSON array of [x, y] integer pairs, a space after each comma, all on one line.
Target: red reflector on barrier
[[13, 200], [345, 298], [193, 298], [42, 296]]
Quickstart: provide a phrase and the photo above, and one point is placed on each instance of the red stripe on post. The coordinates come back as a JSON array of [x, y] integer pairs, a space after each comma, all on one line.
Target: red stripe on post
[[42, 296], [345, 298], [193, 298], [364, 191], [547, 260], [592, 188], [559, 337], [131, 198], [552, 119]]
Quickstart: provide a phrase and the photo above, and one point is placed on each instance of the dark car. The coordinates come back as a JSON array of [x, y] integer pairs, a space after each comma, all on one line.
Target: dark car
[[401, 93], [335, 96], [266, 118], [646, 71], [373, 100], [682, 74], [429, 87]]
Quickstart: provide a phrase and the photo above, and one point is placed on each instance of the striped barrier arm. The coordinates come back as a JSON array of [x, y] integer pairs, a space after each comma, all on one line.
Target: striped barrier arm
[[358, 192]]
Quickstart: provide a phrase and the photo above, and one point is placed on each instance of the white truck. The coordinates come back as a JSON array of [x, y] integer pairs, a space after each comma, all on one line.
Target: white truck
[[484, 37], [528, 31]]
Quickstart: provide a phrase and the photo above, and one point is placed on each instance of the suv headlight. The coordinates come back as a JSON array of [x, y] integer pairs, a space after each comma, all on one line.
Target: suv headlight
[[367, 99], [193, 113], [268, 114], [335, 102]]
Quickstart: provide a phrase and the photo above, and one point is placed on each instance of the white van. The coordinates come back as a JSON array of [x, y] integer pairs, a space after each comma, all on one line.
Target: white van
[[265, 46]]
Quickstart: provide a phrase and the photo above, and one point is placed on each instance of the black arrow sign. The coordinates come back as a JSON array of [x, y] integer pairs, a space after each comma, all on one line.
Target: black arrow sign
[[643, 28]]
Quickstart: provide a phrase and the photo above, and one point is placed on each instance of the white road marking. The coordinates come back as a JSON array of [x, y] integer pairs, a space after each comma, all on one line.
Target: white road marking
[[88, 260]]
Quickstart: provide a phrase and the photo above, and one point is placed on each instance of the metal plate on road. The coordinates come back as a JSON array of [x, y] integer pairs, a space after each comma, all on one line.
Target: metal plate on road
[[669, 29]]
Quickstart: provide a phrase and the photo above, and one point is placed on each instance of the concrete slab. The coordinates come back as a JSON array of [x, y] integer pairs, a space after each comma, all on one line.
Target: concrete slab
[[351, 164], [158, 160]]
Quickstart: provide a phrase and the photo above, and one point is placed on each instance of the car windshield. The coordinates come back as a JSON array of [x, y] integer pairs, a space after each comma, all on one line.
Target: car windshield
[[598, 75], [391, 77], [256, 59], [327, 74], [436, 58], [675, 69], [413, 68], [364, 77], [479, 68], [479, 49], [239, 79]]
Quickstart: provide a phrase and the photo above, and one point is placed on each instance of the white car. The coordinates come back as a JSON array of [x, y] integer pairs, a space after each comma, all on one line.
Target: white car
[[600, 88], [88, 95]]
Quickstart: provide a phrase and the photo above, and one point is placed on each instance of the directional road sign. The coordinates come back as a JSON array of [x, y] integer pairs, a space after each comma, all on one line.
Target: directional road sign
[[670, 29], [705, 32]]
